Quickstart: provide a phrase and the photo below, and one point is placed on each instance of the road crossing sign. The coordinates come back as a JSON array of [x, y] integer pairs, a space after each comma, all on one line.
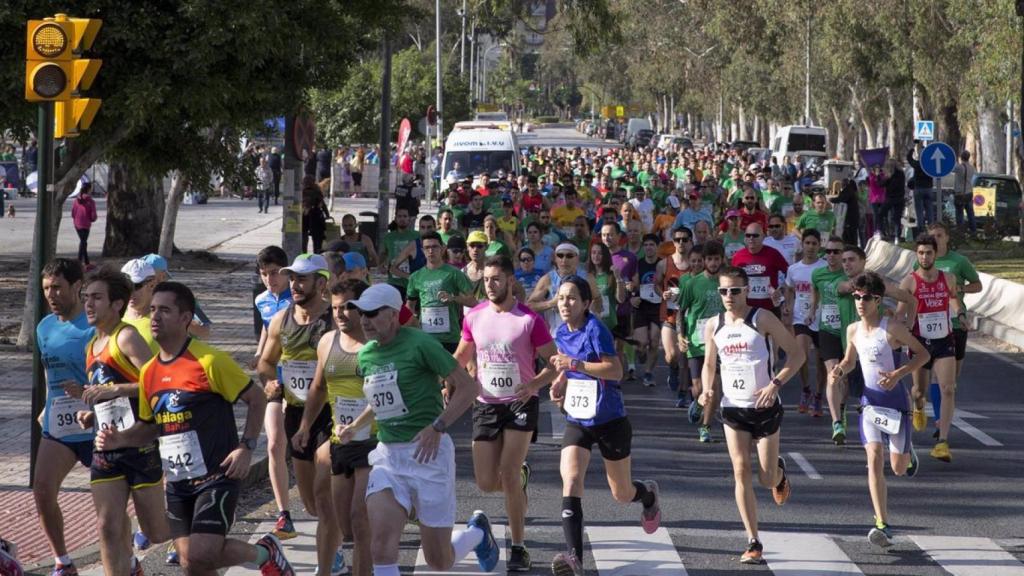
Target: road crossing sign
[[924, 130]]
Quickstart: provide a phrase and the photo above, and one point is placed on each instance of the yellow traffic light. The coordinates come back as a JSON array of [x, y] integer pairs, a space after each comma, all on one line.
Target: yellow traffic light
[[74, 116], [54, 69]]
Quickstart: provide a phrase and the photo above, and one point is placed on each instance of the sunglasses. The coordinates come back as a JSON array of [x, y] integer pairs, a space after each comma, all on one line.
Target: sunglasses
[[456, 250], [866, 297], [833, 251], [681, 239], [367, 313], [771, 226], [525, 260], [565, 255], [477, 245], [734, 291], [752, 235]]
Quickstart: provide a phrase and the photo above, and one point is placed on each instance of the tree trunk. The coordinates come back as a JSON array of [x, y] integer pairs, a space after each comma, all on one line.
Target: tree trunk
[[989, 133], [742, 121], [757, 128], [949, 126], [178, 186], [892, 143], [134, 210], [840, 133]]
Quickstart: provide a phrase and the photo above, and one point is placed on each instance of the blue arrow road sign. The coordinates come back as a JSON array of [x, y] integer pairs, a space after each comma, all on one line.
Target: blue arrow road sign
[[938, 159]]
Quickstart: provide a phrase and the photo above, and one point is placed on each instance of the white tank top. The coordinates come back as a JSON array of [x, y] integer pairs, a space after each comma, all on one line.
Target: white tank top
[[875, 356], [744, 360]]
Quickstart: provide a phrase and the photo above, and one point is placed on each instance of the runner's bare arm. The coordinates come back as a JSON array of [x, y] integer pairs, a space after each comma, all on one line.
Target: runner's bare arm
[[465, 353], [919, 355], [850, 358], [596, 305], [795, 356], [608, 367], [317, 395], [267, 367], [236, 465], [140, 434], [903, 309], [345, 433], [538, 301], [371, 251], [710, 368], [546, 376]]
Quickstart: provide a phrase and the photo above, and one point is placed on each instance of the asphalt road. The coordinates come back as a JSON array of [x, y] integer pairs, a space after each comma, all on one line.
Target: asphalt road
[[963, 518]]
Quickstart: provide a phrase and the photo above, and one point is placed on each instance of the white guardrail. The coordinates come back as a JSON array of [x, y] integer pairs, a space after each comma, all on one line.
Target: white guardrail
[[998, 310]]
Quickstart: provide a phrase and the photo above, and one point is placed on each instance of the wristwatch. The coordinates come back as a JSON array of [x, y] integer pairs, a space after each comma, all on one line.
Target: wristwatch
[[438, 425], [776, 382], [574, 365], [247, 443]]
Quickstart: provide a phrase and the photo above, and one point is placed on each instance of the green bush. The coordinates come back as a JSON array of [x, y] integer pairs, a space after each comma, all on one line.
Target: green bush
[[546, 119]]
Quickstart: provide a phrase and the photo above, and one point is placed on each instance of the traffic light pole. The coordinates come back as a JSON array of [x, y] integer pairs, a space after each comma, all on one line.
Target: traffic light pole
[[43, 247]]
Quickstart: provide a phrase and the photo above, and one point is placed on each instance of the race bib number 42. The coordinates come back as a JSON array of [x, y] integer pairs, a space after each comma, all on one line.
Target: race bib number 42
[[738, 381]]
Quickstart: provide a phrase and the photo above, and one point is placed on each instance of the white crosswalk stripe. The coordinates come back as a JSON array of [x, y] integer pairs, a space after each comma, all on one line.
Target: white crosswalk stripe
[[629, 551], [803, 554], [467, 565], [965, 556]]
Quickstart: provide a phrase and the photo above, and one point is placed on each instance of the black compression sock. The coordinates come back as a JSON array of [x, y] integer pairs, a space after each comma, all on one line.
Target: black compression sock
[[572, 524], [643, 495]]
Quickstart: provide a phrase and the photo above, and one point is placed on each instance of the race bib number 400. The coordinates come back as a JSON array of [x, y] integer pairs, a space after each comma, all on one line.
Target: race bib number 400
[[435, 320], [498, 379], [182, 456], [885, 419], [115, 414], [381, 391], [738, 381], [60, 418], [346, 410], [581, 398], [298, 377]]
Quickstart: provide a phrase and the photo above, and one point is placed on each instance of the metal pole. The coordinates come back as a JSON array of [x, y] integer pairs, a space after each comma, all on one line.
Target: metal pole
[[807, 72], [462, 43], [437, 65], [472, 65], [384, 158], [1009, 137], [44, 247]]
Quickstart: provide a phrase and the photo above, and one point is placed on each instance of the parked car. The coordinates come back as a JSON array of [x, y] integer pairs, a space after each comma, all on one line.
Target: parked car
[[1007, 202]]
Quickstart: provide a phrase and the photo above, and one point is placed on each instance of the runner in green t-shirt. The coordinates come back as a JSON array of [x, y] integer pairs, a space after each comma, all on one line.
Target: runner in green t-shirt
[[414, 462], [698, 302], [394, 242], [437, 292], [828, 304], [820, 218]]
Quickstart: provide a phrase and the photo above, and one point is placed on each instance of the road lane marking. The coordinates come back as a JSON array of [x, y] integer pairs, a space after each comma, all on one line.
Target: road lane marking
[[802, 554], [805, 465], [970, 430], [467, 565], [964, 556], [629, 551], [557, 419]]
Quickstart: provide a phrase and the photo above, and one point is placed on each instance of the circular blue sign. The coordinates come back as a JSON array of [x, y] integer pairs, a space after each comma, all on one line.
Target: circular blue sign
[[938, 159]]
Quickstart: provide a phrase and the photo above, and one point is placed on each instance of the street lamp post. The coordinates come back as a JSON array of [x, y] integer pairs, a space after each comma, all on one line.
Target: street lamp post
[[483, 87]]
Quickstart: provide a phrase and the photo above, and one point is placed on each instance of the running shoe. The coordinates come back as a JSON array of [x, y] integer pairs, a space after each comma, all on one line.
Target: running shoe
[[935, 435], [339, 567], [631, 374], [880, 535], [487, 550], [648, 380], [172, 556], [276, 564], [704, 434], [695, 412], [920, 420], [818, 413], [284, 529], [914, 465], [838, 433], [682, 403], [519, 560], [782, 491], [941, 451], [754, 554], [566, 565], [805, 400], [673, 380], [136, 568], [140, 541], [650, 516], [64, 570]]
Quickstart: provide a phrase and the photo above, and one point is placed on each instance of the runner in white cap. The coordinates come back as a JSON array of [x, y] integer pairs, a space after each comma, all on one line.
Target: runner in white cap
[[545, 294]]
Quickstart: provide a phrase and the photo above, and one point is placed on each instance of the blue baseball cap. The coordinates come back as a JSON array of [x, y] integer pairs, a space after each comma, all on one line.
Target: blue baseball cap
[[354, 260], [158, 262]]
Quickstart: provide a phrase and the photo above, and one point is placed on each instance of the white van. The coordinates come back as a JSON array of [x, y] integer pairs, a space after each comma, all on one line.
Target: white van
[[635, 125], [793, 141], [472, 151]]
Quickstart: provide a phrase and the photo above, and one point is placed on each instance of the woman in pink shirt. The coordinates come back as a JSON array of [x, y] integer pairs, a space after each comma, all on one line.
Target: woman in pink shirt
[[876, 194], [83, 214]]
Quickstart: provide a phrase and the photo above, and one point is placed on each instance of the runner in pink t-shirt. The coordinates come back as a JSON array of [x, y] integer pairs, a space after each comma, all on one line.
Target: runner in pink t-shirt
[[504, 338]]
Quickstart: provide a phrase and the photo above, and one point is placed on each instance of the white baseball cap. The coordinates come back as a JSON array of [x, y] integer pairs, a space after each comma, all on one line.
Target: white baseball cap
[[378, 296], [138, 270], [308, 264]]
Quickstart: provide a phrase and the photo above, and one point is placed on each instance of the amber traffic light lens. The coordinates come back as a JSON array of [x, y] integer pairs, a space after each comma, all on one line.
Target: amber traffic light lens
[[49, 81], [49, 40]]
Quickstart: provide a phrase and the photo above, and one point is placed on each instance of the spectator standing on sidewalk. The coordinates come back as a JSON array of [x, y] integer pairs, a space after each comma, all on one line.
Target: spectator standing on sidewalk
[[83, 214], [355, 167], [274, 161], [314, 215], [264, 184], [963, 191]]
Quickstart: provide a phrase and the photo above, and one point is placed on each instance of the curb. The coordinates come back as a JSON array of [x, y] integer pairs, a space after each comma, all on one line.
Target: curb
[[995, 311]]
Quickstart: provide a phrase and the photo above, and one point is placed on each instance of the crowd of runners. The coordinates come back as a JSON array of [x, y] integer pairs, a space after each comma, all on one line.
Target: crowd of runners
[[564, 284]]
